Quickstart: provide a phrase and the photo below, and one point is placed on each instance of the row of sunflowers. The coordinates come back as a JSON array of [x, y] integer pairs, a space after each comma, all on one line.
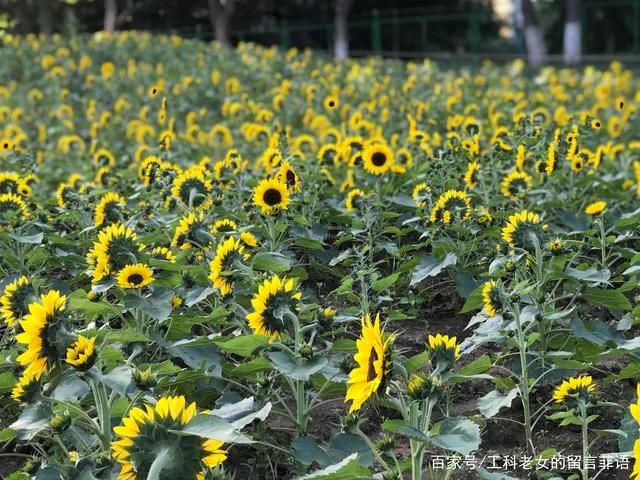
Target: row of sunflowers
[[230, 263]]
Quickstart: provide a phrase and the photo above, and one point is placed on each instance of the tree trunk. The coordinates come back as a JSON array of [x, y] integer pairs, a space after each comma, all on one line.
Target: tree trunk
[[45, 17], [533, 36], [110, 15], [220, 13], [23, 17], [341, 40], [572, 44]]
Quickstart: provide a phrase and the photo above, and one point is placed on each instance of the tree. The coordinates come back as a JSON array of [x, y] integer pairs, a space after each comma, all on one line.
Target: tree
[[220, 13], [341, 39], [572, 42], [45, 17], [23, 17], [533, 37], [113, 19]]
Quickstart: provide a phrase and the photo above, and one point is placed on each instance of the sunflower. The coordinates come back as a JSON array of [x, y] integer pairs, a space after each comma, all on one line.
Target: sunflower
[[374, 363], [330, 103], [105, 176], [288, 175], [492, 298], [249, 239], [15, 300], [223, 272], [191, 187], [579, 161], [271, 158], [420, 387], [271, 196], [471, 175], [450, 203], [354, 199], [275, 296], [521, 156], [556, 246], [27, 385], [192, 232], [164, 253], [635, 413], [516, 184], [108, 209], [550, 163], [377, 158], [39, 332], [81, 354], [574, 388], [104, 158], [444, 351], [421, 193], [595, 208], [135, 276], [144, 429], [14, 205], [11, 182], [116, 246], [518, 228], [224, 225], [67, 196]]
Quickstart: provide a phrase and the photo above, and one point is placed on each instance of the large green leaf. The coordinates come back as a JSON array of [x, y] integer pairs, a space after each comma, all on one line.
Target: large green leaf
[[491, 403], [199, 353], [211, 426], [286, 364], [612, 299], [347, 469], [385, 282], [243, 345], [271, 262], [458, 434], [429, 266], [32, 420]]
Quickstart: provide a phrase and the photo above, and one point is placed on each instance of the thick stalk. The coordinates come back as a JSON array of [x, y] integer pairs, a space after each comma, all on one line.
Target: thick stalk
[[524, 380], [585, 441]]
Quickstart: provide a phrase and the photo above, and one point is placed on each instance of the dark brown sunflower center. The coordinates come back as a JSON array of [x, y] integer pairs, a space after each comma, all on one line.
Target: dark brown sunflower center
[[291, 178], [371, 370], [378, 159], [272, 197], [135, 279]]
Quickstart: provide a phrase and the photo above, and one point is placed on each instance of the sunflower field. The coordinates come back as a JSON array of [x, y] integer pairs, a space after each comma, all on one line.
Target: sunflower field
[[248, 263]]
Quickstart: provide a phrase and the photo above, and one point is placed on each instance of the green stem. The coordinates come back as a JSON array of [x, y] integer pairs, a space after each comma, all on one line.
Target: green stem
[[585, 440], [301, 408], [104, 412], [417, 448], [524, 380], [373, 449]]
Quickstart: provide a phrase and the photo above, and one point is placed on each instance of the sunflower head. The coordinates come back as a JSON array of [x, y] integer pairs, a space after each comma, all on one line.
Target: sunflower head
[[193, 232], [145, 431], [444, 351], [471, 175], [192, 187], [451, 205], [521, 228], [373, 360], [116, 247], [492, 297], [288, 175], [574, 390], [354, 199], [421, 194], [516, 184], [109, 209], [224, 268], [556, 246], [81, 354], [595, 208], [14, 302], [136, 275], [273, 305], [377, 158], [271, 196], [249, 239], [421, 387], [27, 387]]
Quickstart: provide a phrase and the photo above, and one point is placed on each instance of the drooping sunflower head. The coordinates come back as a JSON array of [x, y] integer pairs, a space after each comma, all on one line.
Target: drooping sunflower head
[[574, 390], [271, 196], [421, 387], [377, 158], [224, 225], [11, 182], [28, 385], [483, 216], [421, 194], [12, 209], [471, 175], [354, 199], [135, 276], [15, 300], [288, 175], [105, 176], [81, 353], [444, 351], [374, 363], [595, 208], [144, 430], [39, 329], [520, 229], [275, 301], [451, 205], [109, 209], [225, 266], [67, 196], [104, 158], [249, 239], [163, 253], [492, 297], [192, 187], [116, 247], [556, 246], [329, 154], [193, 233], [516, 184]]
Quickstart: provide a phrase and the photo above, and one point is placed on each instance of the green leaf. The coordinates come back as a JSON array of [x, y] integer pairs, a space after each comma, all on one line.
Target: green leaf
[[474, 300], [7, 434], [479, 365], [344, 345], [165, 457], [416, 362], [7, 382], [592, 275], [347, 469], [250, 369], [71, 389], [35, 239], [429, 266], [79, 302], [158, 306], [271, 262], [126, 336], [243, 345], [611, 299], [120, 380], [384, 283], [490, 404], [211, 426], [458, 434], [32, 420], [403, 428], [199, 353], [287, 365]]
